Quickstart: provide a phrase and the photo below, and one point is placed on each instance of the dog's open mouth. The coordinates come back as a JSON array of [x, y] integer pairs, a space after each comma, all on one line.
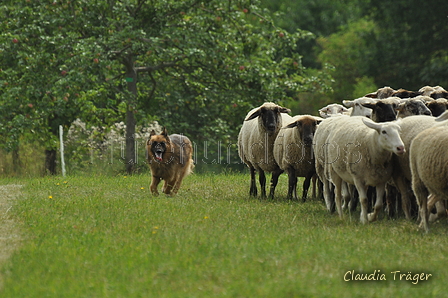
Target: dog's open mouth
[[158, 155]]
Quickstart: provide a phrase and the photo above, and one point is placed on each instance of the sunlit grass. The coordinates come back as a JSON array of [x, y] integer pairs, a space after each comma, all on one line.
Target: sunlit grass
[[109, 237]]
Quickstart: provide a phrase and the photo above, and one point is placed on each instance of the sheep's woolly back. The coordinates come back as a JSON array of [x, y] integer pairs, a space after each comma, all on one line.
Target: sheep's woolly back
[[429, 166], [356, 153], [410, 128]]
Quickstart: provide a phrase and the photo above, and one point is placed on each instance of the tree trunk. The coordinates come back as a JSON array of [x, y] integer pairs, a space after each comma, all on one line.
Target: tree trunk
[[131, 79], [50, 161], [16, 162]]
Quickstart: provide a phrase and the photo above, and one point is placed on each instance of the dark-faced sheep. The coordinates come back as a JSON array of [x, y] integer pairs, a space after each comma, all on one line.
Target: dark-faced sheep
[[384, 110], [256, 143], [294, 153]]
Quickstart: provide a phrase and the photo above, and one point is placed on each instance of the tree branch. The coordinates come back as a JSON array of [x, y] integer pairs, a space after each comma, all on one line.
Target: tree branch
[[156, 67]]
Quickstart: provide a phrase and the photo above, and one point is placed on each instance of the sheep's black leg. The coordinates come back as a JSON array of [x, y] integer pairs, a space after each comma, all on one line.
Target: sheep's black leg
[[262, 179], [274, 181], [306, 186], [253, 184], [292, 184]]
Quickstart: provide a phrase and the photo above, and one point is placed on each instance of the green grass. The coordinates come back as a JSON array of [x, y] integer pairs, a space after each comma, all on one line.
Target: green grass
[[108, 237]]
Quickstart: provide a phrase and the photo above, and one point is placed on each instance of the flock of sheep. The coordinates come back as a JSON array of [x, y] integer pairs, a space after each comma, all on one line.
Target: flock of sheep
[[399, 150]]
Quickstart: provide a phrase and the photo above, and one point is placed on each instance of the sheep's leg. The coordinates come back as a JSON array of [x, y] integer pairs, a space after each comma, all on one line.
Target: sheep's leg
[[338, 194], [320, 190], [353, 199], [274, 181], [346, 198], [315, 181], [380, 190], [391, 198], [422, 193], [253, 184], [262, 179], [362, 193], [403, 187], [306, 186], [440, 206], [328, 197], [292, 184], [154, 183]]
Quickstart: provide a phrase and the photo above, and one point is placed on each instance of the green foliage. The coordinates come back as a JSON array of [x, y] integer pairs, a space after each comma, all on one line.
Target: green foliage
[[97, 60], [108, 237], [348, 52], [411, 44]]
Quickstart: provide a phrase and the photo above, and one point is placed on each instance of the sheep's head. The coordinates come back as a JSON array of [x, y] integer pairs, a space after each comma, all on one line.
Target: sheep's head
[[332, 109], [384, 92], [438, 106], [306, 126], [402, 93], [388, 135], [382, 112], [413, 107], [269, 116]]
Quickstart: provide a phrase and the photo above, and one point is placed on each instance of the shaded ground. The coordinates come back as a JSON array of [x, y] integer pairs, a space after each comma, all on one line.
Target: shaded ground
[[10, 237]]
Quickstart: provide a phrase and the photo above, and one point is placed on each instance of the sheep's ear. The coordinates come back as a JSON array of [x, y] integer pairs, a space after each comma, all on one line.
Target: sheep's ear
[[153, 133], [369, 105], [348, 103], [372, 125], [372, 95], [318, 121], [291, 125], [284, 110], [254, 115]]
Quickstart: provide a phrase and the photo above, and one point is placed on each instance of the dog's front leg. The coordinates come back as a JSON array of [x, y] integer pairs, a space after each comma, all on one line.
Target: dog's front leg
[[154, 183]]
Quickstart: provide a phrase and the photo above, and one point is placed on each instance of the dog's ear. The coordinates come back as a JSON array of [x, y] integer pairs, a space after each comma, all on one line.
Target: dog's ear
[[153, 133], [164, 132]]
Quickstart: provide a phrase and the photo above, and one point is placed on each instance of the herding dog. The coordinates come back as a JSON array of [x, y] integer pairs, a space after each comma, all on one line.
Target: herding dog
[[170, 159]]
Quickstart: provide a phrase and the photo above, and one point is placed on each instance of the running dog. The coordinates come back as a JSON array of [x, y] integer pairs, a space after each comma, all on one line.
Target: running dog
[[170, 159]]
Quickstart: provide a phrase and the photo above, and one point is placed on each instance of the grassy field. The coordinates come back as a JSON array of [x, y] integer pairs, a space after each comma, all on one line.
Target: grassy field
[[108, 237]]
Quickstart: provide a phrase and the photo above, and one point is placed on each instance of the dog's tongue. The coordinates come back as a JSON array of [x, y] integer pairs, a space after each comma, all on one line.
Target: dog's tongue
[[159, 156]]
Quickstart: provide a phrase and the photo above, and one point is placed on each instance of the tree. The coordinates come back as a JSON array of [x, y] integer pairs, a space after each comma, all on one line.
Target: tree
[[98, 59], [411, 44], [348, 51]]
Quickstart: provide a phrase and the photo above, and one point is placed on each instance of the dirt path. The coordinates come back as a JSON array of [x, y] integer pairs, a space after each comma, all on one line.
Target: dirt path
[[10, 237]]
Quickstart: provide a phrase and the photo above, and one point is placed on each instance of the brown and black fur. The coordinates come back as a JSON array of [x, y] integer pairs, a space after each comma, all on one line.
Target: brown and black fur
[[170, 159]]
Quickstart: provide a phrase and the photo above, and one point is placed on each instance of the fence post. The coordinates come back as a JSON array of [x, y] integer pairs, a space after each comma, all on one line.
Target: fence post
[[61, 133]]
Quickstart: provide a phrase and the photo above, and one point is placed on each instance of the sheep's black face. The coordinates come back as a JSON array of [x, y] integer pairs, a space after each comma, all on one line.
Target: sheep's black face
[[270, 119], [307, 130], [436, 108], [385, 112]]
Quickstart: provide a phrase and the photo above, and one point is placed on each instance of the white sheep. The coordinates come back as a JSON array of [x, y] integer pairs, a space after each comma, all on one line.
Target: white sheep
[[402, 177], [357, 106], [333, 109], [256, 143], [293, 152], [358, 151], [429, 168], [320, 137]]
